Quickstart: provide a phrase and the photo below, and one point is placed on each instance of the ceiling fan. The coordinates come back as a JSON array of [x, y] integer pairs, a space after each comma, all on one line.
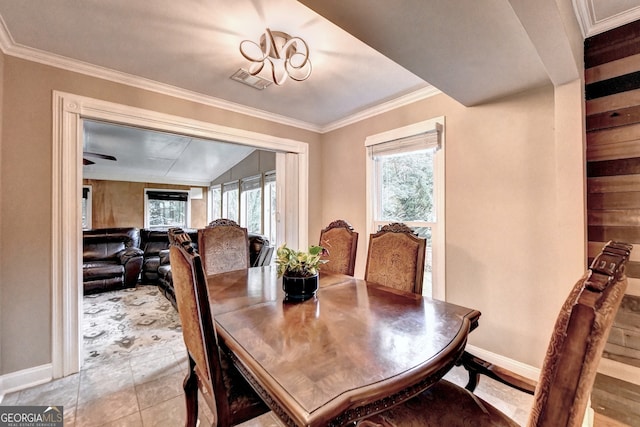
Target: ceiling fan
[[86, 161]]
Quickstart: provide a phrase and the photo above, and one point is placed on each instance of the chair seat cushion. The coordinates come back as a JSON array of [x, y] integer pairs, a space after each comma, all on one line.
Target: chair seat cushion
[[444, 404]]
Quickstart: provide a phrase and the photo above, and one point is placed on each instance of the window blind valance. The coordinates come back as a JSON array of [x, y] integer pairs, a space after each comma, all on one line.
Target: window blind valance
[[177, 196], [251, 183], [230, 186], [430, 139]]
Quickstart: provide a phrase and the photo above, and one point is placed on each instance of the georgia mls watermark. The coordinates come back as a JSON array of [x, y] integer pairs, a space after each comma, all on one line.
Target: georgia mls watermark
[[31, 416]]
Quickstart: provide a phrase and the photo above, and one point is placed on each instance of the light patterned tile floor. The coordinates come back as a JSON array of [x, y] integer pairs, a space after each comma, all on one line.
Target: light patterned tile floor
[[145, 389]]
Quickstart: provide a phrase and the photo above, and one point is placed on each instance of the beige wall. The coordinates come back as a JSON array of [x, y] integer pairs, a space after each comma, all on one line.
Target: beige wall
[[25, 242], [121, 204], [3, 318], [503, 210], [509, 165]]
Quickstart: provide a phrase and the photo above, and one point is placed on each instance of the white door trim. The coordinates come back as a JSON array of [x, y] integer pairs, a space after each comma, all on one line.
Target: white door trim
[[66, 243]]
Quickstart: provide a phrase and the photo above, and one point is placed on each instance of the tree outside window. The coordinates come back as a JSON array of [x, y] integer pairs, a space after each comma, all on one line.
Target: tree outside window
[[251, 204], [164, 209], [407, 187], [230, 200], [216, 202], [167, 213]]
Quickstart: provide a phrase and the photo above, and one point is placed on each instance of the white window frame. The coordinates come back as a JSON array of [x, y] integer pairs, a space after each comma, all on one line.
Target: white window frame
[[409, 133], [168, 190], [89, 205]]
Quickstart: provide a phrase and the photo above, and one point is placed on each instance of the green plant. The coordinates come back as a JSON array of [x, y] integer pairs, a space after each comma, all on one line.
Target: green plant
[[298, 263]]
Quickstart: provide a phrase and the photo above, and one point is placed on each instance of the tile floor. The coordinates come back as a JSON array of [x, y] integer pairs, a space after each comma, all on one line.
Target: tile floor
[[145, 389]]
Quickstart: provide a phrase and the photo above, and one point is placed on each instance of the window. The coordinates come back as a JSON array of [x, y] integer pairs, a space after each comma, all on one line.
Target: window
[[251, 204], [166, 208], [86, 207], [230, 200], [270, 206], [215, 201], [405, 182]]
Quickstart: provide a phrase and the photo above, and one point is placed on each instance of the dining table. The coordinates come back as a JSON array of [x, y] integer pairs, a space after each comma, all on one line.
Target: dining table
[[352, 350]]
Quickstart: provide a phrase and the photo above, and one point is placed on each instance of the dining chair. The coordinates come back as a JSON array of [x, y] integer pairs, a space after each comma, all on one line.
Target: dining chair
[[223, 246], [568, 371], [228, 395], [396, 258], [341, 243]]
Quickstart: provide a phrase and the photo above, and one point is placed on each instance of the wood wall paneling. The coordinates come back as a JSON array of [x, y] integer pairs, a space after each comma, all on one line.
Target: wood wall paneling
[[624, 166], [613, 184], [121, 204], [611, 69], [614, 118], [620, 200], [612, 102], [612, 45], [626, 82], [612, 92]]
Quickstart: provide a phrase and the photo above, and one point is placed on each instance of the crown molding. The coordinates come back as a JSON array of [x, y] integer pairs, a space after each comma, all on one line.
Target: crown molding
[[11, 48], [590, 25], [401, 101]]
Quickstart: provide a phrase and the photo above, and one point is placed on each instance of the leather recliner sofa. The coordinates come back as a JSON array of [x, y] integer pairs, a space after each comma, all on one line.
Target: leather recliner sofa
[[114, 258], [156, 268], [153, 242], [111, 259]]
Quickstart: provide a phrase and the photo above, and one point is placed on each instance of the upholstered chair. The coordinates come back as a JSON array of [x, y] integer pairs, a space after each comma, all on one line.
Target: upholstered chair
[[230, 398], [396, 258], [568, 371], [223, 246], [341, 243]]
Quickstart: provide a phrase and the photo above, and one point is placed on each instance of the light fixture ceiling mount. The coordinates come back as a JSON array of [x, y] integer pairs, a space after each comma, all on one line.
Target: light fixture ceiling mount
[[287, 56]]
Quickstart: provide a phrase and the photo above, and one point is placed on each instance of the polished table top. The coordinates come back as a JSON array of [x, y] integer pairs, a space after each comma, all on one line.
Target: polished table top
[[347, 353]]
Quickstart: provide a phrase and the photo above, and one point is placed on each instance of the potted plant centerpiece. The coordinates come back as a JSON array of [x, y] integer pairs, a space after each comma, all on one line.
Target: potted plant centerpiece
[[299, 271]]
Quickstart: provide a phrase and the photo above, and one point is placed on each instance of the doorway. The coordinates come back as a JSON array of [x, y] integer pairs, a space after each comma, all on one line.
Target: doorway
[[68, 112]]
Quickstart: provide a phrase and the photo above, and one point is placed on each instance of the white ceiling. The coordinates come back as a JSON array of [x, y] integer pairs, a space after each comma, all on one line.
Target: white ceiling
[[191, 48], [150, 156]]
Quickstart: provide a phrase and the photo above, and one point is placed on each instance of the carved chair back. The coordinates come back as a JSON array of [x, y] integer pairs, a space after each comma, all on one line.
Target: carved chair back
[[197, 328], [224, 246], [396, 258], [578, 339], [230, 398], [177, 236], [341, 243]]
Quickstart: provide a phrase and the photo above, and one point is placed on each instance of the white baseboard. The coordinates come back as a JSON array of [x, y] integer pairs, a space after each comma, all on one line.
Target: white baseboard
[[16, 381], [519, 368]]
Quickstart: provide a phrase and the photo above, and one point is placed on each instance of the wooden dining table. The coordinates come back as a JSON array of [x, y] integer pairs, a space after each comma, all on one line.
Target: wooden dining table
[[353, 350]]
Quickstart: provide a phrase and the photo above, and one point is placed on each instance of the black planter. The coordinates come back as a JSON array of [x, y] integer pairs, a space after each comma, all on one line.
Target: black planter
[[299, 288]]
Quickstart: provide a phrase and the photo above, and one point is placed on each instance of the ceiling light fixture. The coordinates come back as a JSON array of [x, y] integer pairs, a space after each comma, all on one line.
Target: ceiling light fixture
[[288, 56]]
